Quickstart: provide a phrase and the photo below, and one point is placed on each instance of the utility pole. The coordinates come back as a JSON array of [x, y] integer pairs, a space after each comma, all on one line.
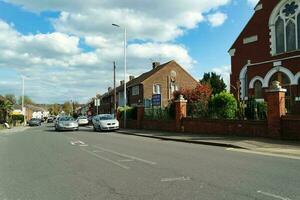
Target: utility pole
[[115, 92], [23, 94]]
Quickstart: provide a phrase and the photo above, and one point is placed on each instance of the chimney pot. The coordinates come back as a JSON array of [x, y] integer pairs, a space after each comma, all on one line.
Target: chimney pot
[[131, 78], [155, 64], [122, 82]]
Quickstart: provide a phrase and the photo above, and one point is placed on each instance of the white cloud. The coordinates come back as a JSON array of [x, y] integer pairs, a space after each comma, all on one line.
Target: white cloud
[[217, 19], [59, 69], [253, 2]]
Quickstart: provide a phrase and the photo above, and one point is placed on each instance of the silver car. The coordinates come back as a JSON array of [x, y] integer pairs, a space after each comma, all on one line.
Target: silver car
[[105, 122], [66, 123]]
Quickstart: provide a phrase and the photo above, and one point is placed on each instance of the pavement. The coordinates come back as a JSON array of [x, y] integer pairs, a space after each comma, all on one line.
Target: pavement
[[14, 130], [290, 148], [41, 164]]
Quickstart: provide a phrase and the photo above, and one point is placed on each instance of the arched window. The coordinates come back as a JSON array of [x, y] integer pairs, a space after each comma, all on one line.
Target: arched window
[[258, 90], [284, 80], [287, 27]]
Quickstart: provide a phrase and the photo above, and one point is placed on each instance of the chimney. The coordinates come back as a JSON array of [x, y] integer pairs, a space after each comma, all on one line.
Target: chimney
[[122, 82], [155, 64], [131, 78]]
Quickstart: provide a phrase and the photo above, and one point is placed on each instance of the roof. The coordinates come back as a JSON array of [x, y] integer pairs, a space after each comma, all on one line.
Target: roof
[[138, 80]]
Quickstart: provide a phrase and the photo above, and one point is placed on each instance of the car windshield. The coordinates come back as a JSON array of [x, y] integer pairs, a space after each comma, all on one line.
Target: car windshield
[[66, 119], [106, 117], [82, 117]]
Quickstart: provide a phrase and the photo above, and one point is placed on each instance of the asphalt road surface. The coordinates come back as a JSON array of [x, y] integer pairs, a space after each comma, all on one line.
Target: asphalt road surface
[[40, 163]]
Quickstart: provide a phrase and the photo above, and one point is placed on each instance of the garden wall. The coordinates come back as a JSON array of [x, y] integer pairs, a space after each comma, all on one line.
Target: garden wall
[[226, 127], [163, 125], [290, 127]]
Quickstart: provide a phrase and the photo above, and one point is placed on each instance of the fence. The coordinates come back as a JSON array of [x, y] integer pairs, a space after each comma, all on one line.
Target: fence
[[157, 114], [246, 110]]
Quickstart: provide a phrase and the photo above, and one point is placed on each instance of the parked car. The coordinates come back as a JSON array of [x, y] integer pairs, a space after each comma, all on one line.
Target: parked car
[[66, 123], [34, 122], [105, 122], [50, 119], [82, 121]]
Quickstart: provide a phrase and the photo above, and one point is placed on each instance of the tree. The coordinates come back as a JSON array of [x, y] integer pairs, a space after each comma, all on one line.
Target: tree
[[215, 81], [5, 107], [27, 100], [68, 107], [12, 98], [197, 98]]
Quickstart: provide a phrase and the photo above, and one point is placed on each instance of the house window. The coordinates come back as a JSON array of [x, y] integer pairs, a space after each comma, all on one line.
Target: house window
[[287, 27], [258, 90], [135, 90], [156, 89]]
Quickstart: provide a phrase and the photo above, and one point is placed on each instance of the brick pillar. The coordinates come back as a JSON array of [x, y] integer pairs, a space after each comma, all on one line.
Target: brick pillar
[[276, 109], [140, 116], [180, 108]]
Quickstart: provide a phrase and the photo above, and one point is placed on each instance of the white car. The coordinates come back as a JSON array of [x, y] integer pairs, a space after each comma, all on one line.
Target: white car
[[105, 122], [82, 121], [66, 123]]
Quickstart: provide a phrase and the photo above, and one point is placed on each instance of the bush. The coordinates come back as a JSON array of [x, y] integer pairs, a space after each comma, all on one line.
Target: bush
[[223, 106], [131, 113], [157, 113]]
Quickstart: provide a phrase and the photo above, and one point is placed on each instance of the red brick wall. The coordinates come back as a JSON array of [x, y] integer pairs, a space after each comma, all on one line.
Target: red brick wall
[[290, 128], [226, 127], [162, 125]]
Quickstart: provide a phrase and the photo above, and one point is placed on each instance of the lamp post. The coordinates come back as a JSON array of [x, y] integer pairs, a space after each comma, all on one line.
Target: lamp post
[[125, 71], [23, 94]]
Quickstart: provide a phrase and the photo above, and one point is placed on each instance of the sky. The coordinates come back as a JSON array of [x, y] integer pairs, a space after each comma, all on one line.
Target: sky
[[65, 49]]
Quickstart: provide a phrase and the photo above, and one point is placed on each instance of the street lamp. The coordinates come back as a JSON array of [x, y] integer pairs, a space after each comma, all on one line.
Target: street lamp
[[125, 71], [23, 94]]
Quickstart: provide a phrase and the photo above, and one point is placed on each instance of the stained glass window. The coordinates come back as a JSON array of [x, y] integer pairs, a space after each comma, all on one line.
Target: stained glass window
[[279, 26], [290, 36], [287, 27]]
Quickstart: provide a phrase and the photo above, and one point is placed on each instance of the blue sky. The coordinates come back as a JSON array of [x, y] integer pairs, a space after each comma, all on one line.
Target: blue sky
[[66, 51]]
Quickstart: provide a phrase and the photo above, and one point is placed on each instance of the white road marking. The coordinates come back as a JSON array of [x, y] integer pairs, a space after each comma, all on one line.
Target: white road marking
[[79, 143], [175, 179], [273, 195], [106, 159], [127, 156], [264, 153], [126, 160]]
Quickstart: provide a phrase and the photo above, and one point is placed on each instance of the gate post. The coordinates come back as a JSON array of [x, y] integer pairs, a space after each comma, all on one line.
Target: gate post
[[140, 116], [180, 108], [276, 109]]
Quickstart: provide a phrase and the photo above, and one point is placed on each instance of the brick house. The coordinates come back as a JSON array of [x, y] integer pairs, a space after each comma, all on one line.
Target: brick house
[[161, 81], [266, 50]]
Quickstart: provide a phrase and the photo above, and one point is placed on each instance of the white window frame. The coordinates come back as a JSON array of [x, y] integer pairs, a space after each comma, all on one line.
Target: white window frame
[[135, 91], [155, 87]]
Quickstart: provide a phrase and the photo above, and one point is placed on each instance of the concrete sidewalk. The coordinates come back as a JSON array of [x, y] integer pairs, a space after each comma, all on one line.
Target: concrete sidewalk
[[254, 144], [14, 130]]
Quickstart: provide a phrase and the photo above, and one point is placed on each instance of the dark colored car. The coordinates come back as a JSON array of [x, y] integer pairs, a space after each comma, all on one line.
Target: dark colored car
[[34, 122]]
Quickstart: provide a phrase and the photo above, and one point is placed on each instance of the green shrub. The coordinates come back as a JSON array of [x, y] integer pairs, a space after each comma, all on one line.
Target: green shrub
[[131, 113], [223, 106], [157, 113]]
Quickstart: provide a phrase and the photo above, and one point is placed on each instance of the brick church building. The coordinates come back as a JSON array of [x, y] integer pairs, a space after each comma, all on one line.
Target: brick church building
[[267, 50]]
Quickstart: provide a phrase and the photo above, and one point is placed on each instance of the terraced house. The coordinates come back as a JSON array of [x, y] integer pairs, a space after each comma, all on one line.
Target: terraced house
[[267, 50], [152, 88]]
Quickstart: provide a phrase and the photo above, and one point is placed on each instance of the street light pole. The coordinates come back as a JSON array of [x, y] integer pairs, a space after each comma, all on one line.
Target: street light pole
[[23, 94], [115, 92], [125, 71]]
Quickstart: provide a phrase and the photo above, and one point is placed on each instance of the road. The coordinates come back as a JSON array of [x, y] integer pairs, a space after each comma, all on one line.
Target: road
[[40, 164]]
